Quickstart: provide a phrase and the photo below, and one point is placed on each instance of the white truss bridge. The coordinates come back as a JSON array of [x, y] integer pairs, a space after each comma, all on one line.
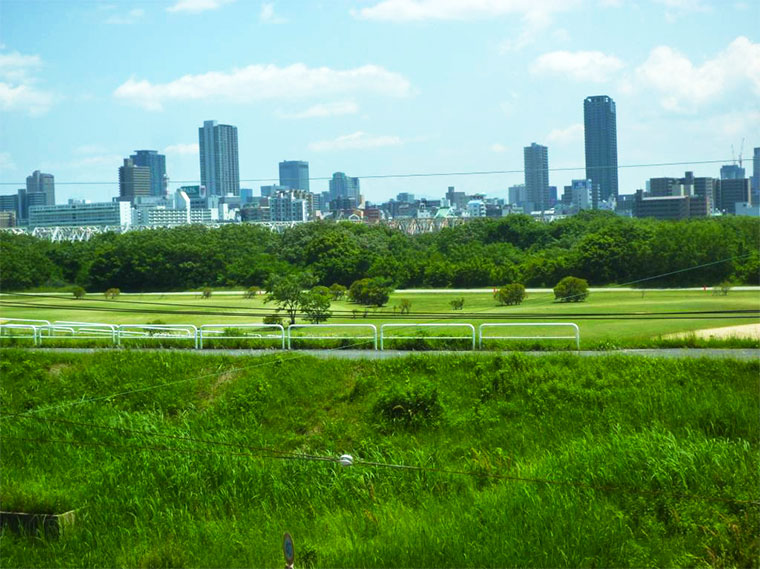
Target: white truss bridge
[[74, 233]]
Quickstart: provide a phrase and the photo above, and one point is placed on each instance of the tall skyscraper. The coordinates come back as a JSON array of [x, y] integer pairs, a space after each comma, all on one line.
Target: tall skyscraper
[[756, 170], [134, 181], [600, 129], [157, 164], [732, 172], [342, 186], [294, 174], [219, 158], [537, 176], [40, 183]]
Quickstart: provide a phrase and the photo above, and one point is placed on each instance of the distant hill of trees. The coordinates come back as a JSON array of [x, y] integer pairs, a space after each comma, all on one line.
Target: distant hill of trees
[[597, 246]]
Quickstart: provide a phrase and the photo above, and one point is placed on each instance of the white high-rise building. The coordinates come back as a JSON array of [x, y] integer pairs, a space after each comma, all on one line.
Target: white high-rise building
[[218, 144]]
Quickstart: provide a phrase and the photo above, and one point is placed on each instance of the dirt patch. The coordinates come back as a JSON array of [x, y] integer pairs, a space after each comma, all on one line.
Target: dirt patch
[[56, 370], [750, 331], [221, 381]]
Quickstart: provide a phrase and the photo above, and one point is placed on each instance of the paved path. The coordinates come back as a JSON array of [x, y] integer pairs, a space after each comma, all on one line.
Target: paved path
[[675, 353]]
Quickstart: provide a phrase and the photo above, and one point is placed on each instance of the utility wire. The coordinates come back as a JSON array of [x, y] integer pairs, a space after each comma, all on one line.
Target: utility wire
[[428, 174], [373, 464]]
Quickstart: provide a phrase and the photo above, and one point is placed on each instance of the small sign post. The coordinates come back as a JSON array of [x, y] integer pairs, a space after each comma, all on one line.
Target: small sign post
[[287, 549]]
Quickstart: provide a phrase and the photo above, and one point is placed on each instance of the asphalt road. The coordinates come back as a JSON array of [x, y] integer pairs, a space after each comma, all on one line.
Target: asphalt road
[[675, 353]]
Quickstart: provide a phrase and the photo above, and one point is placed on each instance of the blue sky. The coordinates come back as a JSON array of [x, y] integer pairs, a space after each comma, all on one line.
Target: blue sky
[[373, 87]]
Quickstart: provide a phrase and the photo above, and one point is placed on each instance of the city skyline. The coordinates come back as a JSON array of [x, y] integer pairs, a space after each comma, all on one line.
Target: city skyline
[[404, 99]]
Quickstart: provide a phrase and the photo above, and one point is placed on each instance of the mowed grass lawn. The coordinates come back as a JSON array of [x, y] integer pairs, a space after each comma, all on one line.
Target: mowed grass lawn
[[558, 461], [614, 318]]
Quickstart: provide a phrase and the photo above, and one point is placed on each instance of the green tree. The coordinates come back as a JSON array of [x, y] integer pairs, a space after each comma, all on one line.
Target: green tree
[[571, 289], [373, 292], [457, 303], [206, 292], [316, 304], [510, 294], [252, 292], [405, 306], [112, 293], [78, 292], [338, 291], [288, 292]]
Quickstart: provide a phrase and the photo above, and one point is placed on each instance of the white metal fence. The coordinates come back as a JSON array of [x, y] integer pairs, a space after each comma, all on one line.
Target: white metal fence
[[372, 327], [384, 327], [521, 325], [42, 330]]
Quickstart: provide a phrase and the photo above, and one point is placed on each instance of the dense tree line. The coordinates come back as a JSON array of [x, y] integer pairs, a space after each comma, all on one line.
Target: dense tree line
[[597, 246]]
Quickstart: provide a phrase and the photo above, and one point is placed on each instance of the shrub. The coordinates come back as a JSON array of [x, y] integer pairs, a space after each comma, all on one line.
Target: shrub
[[457, 303], [252, 292], [206, 292], [112, 293], [78, 292], [510, 294], [722, 289], [571, 289], [405, 306], [338, 291], [375, 292], [409, 406], [272, 319]]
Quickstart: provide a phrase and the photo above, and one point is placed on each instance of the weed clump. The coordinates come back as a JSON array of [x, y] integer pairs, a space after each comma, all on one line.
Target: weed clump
[[409, 406]]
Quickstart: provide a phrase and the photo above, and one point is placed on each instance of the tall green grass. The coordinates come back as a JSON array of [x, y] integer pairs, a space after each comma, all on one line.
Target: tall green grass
[[640, 438]]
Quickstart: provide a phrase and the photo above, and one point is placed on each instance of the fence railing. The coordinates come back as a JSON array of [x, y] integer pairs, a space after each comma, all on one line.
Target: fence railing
[[576, 336], [225, 332], [372, 327], [37, 330], [384, 327]]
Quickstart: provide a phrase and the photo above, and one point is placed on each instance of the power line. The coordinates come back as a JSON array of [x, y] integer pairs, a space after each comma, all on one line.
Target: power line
[[425, 174], [373, 464]]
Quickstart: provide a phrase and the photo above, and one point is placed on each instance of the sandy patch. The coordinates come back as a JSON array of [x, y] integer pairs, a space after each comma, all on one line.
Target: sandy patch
[[751, 331]]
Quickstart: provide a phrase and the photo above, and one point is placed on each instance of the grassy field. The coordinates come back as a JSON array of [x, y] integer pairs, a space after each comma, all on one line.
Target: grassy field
[[561, 461], [606, 319]]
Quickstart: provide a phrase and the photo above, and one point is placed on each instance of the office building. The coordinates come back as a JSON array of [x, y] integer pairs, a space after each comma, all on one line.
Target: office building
[[342, 186], [40, 183], [405, 197], [102, 213], [756, 173], [218, 144], [271, 190], [476, 208], [580, 194], [134, 181], [294, 174], [157, 164], [600, 132], [286, 206], [7, 219], [517, 195], [732, 172], [457, 200], [731, 192], [670, 207], [537, 177]]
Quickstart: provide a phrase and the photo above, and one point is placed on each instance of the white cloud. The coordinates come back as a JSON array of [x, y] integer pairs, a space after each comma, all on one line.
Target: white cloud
[[676, 9], [197, 6], [182, 149], [496, 147], [6, 162], [323, 110], [17, 85], [568, 135], [355, 141], [89, 149], [593, 66], [685, 87], [260, 82], [131, 17], [421, 10], [268, 16]]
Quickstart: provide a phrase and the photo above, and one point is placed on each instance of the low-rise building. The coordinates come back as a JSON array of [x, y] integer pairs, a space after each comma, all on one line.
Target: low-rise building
[[98, 213]]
